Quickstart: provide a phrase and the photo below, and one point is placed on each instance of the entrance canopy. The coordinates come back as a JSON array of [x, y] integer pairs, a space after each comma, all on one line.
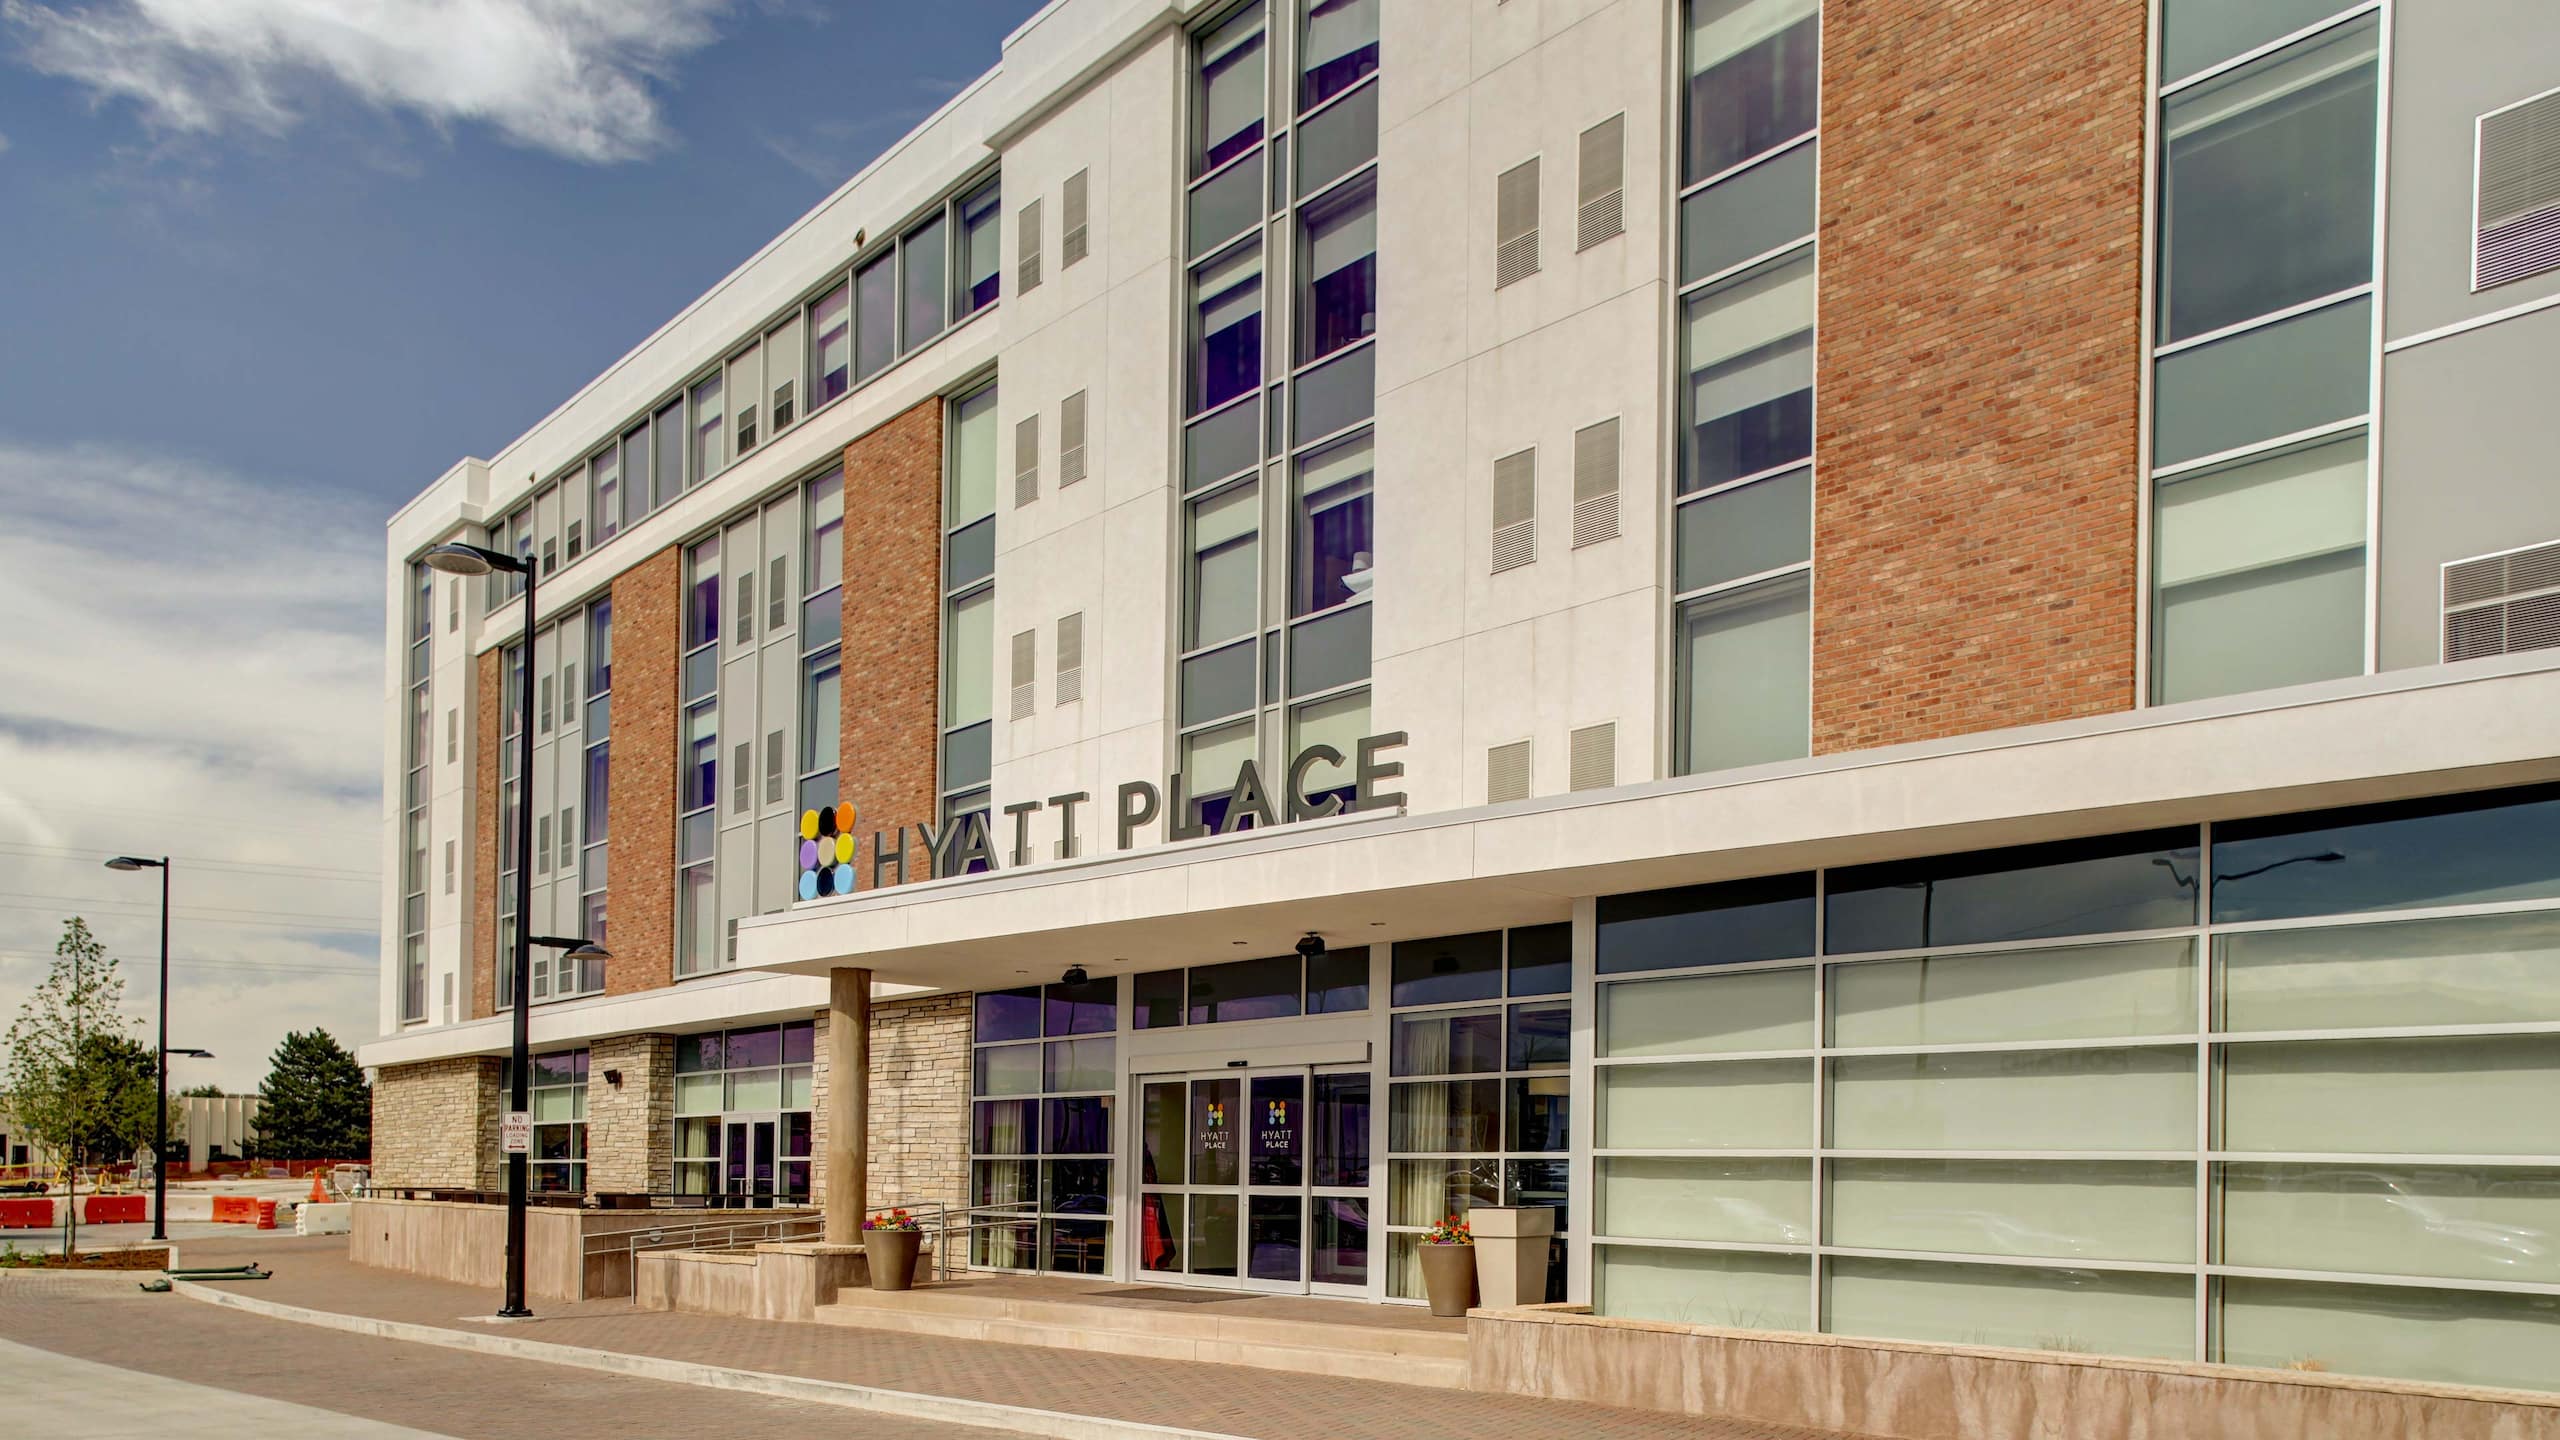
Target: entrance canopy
[[1368, 879]]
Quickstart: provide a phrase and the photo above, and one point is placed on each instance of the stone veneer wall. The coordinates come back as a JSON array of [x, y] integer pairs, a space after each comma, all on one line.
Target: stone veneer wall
[[435, 1124], [919, 1101], [631, 1127]]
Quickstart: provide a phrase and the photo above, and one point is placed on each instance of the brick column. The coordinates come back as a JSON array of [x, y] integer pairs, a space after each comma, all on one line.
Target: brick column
[[848, 1160]]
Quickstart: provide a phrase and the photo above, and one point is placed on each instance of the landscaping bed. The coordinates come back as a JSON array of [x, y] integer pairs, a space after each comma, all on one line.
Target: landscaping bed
[[154, 1258]]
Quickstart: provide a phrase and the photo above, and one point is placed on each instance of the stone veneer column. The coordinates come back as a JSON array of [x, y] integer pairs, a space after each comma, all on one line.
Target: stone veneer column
[[919, 1107], [435, 1124], [848, 1148], [631, 1126]]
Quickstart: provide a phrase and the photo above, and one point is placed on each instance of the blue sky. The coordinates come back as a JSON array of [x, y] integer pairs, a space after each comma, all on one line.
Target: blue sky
[[267, 267]]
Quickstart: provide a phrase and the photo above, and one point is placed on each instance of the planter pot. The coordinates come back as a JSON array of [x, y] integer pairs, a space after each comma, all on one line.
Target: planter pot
[[1511, 1253], [890, 1255], [1449, 1277]]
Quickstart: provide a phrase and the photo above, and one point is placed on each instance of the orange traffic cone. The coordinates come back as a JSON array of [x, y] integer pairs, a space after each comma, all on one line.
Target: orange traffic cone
[[319, 1192]]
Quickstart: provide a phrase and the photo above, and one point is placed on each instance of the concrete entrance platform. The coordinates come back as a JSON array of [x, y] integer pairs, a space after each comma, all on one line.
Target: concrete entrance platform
[[1345, 1338]]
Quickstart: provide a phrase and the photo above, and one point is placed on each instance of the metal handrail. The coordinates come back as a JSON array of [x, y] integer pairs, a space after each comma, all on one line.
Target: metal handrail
[[1008, 1214], [725, 1234]]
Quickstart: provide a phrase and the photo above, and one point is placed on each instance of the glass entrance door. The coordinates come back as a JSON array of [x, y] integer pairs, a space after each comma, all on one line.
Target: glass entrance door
[[747, 1170], [1233, 1170]]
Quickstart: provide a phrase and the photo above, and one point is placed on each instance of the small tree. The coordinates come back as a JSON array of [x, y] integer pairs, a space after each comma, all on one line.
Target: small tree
[[315, 1104], [121, 1073], [201, 1092], [59, 1101]]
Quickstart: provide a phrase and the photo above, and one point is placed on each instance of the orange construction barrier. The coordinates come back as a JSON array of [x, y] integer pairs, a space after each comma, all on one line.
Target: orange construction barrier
[[266, 1214], [26, 1214], [115, 1209], [235, 1209]]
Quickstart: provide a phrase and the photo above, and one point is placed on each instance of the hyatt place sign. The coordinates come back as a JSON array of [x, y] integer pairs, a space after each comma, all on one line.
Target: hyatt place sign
[[830, 849]]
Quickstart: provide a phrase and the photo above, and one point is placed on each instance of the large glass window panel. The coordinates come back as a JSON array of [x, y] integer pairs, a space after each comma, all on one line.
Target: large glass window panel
[[1338, 721], [1338, 1253], [1541, 959], [1768, 918], [2102, 1312], [831, 346], [1339, 47], [969, 675], [1244, 990], [2469, 1095], [1092, 1008], [1708, 1014], [2466, 849], [1537, 1114], [1332, 562], [821, 724], [1444, 1116], [1329, 650], [2197, 34], [1335, 396], [1338, 982], [1733, 1288], [2049, 1209], [1753, 213], [1448, 969], [1421, 1192], [2297, 374], [1337, 142], [1155, 999], [980, 250], [1078, 1065], [1225, 565], [1007, 1014], [1338, 274], [1231, 89], [1726, 1105], [1216, 684], [973, 459], [1226, 205], [2475, 970], [1744, 1200], [697, 921], [1227, 301], [2128, 1099], [1748, 353], [969, 554], [1444, 1042], [2261, 574], [1754, 80], [922, 262], [667, 435], [2267, 188], [1755, 528], [875, 317], [2142, 987], [1007, 1070], [2478, 1223], [710, 437], [1540, 1037], [2142, 881], [1078, 1126], [966, 757], [1225, 444], [1211, 760], [1338, 1138], [1746, 676], [2467, 1337]]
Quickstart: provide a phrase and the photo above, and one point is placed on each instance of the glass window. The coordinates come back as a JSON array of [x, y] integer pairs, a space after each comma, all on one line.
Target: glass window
[[2195, 34], [2120, 1099], [1225, 565], [2143, 881], [2267, 189], [1092, 1008], [1330, 146], [1333, 559], [1737, 1013], [1231, 89], [1742, 216], [970, 666], [1704, 1287], [2468, 1337], [1338, 721], [1748, 530], [1540, 1037], [2261, 573], [1722, 924], [604, 489], [1077, 1065], [2497, 845], [1211, 761], [1338, 298], [2140, 987], [2111, 1312], [2063, 1209], [831, 346], [1008, 1014], [1749, 358], [2466, 1095], [1227, 301], [875, 316], [2471, 970], [702, 602], [710, 439], [1463, 1042], [1451, 968], [667, 434], [1329, 650], [981, 265], [1156, 999], [1746, 676], [1754, 78], [1437, 1117], [2294, 375], [1542, 959], [1340, 48], [1338, 982], [1742, 1200], [922, 262], [1725, 1105], [973, 458], [1244, 990]]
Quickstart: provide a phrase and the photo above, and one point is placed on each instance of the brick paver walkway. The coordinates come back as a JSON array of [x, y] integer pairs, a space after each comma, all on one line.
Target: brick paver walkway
[[424, 1388], [1266, 1404]]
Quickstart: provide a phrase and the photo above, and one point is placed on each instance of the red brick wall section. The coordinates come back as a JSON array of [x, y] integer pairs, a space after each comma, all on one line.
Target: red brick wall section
[[640, 873], [892, 628], [1979, 366], [483, 965]]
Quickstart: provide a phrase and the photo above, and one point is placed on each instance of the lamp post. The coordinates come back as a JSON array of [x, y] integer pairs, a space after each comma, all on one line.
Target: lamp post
[[160, 1052], [473, 560]]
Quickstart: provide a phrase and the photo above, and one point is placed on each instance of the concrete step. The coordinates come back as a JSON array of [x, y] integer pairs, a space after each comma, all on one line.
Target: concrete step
[[1365, 1352]]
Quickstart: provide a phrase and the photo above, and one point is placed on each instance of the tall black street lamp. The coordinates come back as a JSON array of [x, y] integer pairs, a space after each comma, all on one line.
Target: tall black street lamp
[[472, 560], [160, 1052]]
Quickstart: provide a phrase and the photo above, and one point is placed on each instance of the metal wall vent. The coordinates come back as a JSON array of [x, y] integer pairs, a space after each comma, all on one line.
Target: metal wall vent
[[777, 592], [1024, 680], [1070, 658], [1071, 440], [1026, 460], [773, 748], [1515, 224], [742, 788], [2516, 229], [1595, 483], [1072, 241], [1595, 756], [1026, 248], [1506, 773], [2501, 604], [1600, 199], [1515, 510]]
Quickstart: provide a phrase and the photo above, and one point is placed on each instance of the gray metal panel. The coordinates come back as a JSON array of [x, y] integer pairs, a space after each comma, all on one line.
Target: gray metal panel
[[2453, 61]]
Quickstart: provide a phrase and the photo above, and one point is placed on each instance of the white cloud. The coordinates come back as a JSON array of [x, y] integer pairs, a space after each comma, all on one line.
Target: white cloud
[[195, 669], [574, 77], [4, 144]]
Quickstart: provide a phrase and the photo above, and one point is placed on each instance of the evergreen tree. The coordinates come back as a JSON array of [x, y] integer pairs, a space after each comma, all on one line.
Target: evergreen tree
[[63, 1104], [121, 1073], [315, 1104], [205, 1092]]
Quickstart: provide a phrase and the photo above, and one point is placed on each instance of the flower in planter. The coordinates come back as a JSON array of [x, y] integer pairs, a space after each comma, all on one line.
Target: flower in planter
[[1451, 1231], [891, 1220]]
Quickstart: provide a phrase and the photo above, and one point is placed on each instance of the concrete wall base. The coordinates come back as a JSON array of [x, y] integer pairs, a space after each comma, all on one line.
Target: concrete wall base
[[1911, 1391], [775, 1281]]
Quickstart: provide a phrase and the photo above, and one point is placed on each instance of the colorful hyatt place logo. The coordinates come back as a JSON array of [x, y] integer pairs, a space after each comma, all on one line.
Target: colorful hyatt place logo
[[826, 852]]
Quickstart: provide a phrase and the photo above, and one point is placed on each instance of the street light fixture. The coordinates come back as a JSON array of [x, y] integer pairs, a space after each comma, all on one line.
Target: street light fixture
[[160, 1124]]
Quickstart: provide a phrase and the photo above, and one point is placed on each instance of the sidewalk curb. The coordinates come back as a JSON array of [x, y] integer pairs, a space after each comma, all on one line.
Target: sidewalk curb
[[906, 1404]]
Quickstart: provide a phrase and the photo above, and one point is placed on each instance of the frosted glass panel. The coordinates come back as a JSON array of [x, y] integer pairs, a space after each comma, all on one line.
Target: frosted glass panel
[[2147, 987], [698, 1094], [2133, 1099], [1704, 1287], [2477, 970], [1746, 682], [2472, 1339], [2081, 1310], [2049, 1209], [755, 1090], [2488, 1223], [1734, 1105], [1706, 1014], [1748, 1200], [2476, 1095]]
